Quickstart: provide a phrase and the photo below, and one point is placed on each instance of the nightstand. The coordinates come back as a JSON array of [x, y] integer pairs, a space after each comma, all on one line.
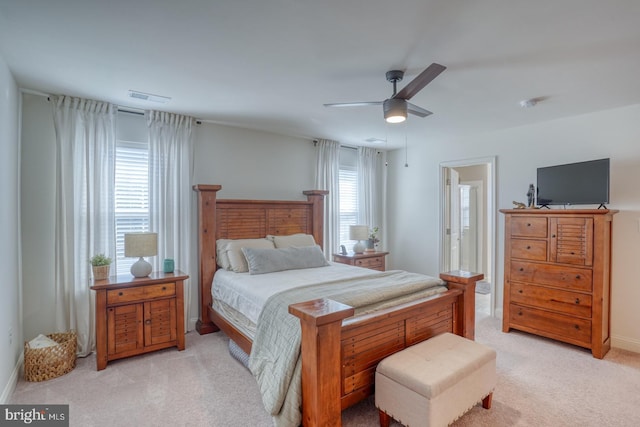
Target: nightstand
[[138, 315], [372, 260]]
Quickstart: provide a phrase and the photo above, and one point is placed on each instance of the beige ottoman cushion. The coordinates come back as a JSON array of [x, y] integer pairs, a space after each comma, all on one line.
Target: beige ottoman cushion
[[436, 381]]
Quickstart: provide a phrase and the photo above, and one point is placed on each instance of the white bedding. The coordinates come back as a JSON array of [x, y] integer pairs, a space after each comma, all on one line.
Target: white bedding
[[248, 293]]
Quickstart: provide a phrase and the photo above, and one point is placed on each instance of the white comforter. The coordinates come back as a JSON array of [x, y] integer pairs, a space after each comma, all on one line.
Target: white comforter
[[248, 293]]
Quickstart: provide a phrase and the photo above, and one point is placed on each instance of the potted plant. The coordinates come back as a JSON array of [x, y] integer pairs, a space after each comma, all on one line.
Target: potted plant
[[100, 264], [373, 241]]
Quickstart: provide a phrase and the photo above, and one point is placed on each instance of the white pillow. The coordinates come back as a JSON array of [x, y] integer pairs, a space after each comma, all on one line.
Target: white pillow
[[233, 251], [221, 254], [269, 260], [297, 240]]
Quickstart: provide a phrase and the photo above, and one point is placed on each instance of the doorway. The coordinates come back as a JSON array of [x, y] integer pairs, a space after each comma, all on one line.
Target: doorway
[[467, 224]]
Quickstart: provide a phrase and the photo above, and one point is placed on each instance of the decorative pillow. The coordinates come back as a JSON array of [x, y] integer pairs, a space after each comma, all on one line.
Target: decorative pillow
[[269, 260], [297, 240], [221, 254], [233, 250]]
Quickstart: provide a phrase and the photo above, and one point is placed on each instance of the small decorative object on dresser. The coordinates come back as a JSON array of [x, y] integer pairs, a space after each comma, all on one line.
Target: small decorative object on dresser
[[373, 260], [100, 265], [557, 275], [373, 241], [135, 316]]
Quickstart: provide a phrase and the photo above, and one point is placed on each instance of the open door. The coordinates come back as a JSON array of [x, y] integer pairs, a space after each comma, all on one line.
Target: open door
[[467, 219]]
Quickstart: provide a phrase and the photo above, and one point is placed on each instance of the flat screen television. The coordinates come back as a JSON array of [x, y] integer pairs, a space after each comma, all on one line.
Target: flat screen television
[[583, 183]]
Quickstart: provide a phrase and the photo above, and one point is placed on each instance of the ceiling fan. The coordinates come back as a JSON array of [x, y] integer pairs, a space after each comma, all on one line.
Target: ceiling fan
[[397, 106]]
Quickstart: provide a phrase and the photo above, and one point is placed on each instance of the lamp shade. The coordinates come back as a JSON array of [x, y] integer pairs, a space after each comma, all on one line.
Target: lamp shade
[[358, 232], [395, 110], [140, 244]]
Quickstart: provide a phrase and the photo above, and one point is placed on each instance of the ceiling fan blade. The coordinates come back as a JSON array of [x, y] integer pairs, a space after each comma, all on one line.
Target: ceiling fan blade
[[423, 79], [418, 111], [353, 104]]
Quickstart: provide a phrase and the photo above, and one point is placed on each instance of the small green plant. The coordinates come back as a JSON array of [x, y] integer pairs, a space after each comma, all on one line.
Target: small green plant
[[373, 235], [100, 259]]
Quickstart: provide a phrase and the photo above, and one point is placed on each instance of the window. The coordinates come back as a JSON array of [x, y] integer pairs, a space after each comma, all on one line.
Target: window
[[348, 178], [131, 184]]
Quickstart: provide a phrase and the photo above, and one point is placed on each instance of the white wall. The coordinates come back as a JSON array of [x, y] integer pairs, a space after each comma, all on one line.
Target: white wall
[[413, 215], [10, 303]]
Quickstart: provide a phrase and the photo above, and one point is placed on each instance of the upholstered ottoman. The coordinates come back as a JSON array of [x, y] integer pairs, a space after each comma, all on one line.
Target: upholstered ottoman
[[435, 382]]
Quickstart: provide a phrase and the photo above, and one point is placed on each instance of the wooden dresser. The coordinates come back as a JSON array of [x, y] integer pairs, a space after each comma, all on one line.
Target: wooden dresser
[[138, 315], [557, 275], [372, 260]]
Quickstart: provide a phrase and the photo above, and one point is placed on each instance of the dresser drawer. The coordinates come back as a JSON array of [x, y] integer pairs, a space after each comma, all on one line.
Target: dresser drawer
[[570, 278], [528, 226], [118, 296], [567, 302], [375, 263], [534, 250], [552, 325]]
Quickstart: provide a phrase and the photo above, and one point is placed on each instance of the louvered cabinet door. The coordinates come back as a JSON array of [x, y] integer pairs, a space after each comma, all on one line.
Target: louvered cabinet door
[[160, 322]]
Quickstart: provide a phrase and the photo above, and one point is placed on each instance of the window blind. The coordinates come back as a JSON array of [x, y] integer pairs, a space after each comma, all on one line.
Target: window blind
[[348, 181], [131, 196]]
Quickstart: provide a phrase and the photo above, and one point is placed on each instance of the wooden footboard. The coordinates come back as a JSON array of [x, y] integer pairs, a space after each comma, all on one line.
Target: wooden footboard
[[340, 353]]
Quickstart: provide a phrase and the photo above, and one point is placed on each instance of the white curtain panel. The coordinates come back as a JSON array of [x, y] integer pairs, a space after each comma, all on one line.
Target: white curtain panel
[[84, 214], [327, 178], [170, 175], [371, 188]]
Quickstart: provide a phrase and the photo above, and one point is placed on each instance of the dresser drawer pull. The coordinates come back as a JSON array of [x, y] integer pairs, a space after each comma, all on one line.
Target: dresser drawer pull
[[164, 288], [528, 247], [521, 269], [120, 294], [578, 277], [519, 313], [577, 300], [528, 224], [577, 327], [519, 291]]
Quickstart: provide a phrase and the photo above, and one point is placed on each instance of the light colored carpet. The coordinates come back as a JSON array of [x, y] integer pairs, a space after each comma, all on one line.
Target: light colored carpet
[[540, 383]]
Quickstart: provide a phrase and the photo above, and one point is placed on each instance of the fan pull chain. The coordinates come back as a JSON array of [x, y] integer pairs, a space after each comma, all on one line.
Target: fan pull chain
[[406, 158]]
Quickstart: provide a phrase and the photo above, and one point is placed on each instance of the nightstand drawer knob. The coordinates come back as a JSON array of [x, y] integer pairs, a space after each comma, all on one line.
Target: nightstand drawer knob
[[521, 269], [147, 322], [528, 247], [520, 291], [578, 277], [164, 288], [577, 300], [120, 293]]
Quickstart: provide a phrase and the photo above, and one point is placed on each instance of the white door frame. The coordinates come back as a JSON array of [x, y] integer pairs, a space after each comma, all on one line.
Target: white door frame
[[491, 213]]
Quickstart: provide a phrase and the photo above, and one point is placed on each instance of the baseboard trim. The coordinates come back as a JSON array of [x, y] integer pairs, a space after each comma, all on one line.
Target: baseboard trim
[[13, 381], [625, 343]]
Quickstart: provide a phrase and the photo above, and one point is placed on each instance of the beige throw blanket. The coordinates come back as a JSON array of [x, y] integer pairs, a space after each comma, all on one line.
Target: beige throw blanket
[[275, 355]]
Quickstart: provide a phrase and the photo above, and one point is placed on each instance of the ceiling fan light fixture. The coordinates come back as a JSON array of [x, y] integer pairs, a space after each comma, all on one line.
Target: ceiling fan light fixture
[[395, 110]]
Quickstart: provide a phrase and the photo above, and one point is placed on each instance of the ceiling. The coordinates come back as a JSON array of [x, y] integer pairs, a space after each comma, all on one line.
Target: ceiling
[[270, 65]]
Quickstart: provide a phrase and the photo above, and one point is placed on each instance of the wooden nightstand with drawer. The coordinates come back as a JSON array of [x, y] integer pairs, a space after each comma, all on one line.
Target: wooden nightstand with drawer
[[138, 315], [372, 260]]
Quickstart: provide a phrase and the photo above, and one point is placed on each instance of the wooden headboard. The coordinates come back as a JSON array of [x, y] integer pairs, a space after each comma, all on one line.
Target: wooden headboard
[[247, 219]]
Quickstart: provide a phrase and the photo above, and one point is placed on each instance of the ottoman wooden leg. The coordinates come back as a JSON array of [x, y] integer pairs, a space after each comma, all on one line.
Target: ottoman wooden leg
[[385, 419], [486, 402]]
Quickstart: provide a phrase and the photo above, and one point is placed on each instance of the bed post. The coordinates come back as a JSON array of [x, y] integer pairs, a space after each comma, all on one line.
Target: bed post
[[466, 313], [321, 324], [207, 252], [316, 197]]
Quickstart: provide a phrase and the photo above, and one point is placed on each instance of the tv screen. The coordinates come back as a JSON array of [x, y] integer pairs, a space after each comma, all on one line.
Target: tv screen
[[582, 183]]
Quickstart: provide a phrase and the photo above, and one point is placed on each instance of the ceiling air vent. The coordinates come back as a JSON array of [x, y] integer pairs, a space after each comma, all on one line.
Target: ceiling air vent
[[148, 97]]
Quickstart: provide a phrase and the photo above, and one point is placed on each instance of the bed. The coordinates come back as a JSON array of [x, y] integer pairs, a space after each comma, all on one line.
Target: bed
[[339, 351]]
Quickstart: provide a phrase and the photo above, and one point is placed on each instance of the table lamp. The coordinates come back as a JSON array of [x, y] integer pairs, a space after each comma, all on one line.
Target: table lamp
[[140, 245], [359, 233]]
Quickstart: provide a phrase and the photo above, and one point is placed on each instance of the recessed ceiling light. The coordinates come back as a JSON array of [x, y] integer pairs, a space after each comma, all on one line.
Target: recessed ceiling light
[[148, 97]]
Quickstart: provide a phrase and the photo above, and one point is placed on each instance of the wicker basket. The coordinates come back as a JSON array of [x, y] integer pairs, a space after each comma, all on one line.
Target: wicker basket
[[41, 364]]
